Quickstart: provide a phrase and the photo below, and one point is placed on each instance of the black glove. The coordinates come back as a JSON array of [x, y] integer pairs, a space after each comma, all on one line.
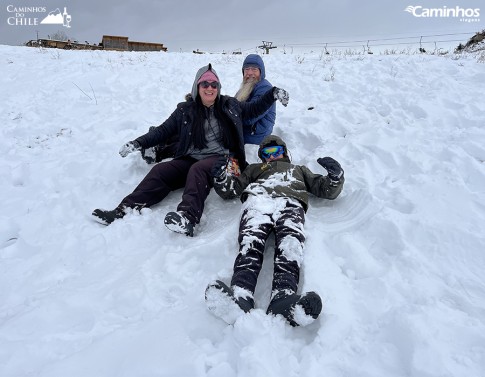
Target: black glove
[[281, 95], [149, 155], [335, 171], [218, 170], [129, 147]]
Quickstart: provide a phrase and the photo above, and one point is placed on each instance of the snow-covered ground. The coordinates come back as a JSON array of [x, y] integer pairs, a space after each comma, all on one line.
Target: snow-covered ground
[[398, 258]]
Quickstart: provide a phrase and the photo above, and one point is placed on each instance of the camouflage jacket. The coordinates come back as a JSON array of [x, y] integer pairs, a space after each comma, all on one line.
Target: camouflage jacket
[[279, 178]]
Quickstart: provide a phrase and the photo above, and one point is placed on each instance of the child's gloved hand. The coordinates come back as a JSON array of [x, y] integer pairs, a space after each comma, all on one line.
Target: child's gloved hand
[[335, 171]]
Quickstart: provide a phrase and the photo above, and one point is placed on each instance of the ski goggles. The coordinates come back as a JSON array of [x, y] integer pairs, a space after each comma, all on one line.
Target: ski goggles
[[206, 84], [274, 151]]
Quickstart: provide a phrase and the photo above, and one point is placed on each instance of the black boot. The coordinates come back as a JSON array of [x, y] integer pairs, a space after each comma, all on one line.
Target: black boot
[[179, 223], [223, 303], [299, 310], [106, 217]]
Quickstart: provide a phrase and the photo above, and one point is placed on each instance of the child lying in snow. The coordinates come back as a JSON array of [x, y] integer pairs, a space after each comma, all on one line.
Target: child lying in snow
[[275, 197]]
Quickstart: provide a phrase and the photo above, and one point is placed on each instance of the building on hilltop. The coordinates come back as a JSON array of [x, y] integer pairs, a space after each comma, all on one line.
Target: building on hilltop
[[112, 42], [109, 42]]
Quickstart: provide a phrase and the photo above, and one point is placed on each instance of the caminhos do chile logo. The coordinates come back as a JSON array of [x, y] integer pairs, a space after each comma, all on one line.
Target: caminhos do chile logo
[[28, 16], [57, 18], [464, 14]]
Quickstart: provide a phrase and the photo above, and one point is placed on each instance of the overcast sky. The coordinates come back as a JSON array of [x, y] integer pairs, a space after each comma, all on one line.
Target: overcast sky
[[229, 25]]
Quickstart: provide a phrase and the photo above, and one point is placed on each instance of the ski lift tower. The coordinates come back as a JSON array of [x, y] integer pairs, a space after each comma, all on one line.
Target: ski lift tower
[[267, 46]]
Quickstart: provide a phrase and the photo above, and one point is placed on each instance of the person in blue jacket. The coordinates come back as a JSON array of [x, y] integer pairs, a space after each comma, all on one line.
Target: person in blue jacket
[[254, 85]]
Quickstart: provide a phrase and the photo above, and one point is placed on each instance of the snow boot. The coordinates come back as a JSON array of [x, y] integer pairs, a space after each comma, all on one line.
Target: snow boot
[[179, 223], [223, 303], [299, 310], [106, 217]]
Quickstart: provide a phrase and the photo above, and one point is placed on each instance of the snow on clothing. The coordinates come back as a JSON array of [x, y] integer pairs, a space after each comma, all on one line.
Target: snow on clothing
[[275, 197], [256, 128], [279, 178], [261, 216], [193, 171]]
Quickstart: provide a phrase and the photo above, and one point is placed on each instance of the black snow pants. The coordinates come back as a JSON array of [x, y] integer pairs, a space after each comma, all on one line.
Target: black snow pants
[[191, 174], [256, 224]]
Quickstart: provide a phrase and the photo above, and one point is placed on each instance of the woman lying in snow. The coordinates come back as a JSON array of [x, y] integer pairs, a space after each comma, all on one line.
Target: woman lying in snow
[[275, 197]]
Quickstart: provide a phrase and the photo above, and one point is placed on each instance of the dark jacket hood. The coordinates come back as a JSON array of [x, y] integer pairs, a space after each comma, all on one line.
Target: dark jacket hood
[[254, 59], [272, 140], [198, 75]]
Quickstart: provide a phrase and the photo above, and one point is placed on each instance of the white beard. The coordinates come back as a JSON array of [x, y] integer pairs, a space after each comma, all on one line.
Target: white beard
[[245, 90]]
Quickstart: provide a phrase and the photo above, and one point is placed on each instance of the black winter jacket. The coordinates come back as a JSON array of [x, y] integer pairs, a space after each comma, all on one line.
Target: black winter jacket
[[181, 122]]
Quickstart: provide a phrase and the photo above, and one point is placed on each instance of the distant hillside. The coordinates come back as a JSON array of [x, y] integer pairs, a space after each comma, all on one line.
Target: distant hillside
[[475, 43]]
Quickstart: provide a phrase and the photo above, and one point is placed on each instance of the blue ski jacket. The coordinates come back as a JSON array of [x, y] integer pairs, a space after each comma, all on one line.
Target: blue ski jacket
[[256, 129]]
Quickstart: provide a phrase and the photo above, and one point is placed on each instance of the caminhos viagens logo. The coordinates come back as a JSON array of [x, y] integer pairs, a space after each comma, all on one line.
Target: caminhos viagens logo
[[462, 14]]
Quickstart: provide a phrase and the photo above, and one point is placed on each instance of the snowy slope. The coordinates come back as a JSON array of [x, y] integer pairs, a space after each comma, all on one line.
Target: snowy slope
[[398, 258]]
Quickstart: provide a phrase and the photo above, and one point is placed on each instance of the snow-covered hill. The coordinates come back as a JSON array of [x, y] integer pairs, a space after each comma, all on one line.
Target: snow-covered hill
[[398, 258]]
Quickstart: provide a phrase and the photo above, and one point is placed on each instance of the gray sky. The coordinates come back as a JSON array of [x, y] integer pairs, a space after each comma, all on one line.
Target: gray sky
[[229, 25]]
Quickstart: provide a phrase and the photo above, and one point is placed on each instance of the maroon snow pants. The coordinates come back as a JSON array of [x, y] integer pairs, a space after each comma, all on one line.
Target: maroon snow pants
[[191, 174]]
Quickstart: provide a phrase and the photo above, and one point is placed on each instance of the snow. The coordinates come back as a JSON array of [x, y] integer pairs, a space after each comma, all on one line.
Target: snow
[[398, 258]]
